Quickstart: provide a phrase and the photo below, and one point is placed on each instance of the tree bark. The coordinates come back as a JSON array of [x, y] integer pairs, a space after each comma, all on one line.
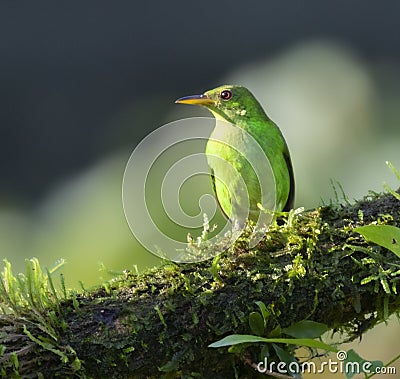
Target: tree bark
[[161, 322]]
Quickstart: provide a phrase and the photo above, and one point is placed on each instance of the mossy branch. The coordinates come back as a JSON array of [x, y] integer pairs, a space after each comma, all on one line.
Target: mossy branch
[[313, 266]]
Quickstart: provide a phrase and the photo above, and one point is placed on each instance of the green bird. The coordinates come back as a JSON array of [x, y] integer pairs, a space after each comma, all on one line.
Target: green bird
[[241, 151]]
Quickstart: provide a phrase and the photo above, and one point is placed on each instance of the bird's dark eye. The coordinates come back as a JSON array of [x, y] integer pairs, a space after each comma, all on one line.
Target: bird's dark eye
[[225, 94]]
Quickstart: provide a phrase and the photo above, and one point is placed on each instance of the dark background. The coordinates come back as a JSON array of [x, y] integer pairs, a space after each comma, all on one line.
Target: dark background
[[67, 69]]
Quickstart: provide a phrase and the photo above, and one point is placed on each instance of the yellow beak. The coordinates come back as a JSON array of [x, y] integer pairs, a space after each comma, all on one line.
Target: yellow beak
[[195, 99]]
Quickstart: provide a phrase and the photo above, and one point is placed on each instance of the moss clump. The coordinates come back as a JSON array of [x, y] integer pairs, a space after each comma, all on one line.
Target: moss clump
[[30, 303]]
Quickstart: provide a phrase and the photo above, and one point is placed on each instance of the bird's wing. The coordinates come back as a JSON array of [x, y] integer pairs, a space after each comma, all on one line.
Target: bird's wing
[[290, 201], [215, 193]]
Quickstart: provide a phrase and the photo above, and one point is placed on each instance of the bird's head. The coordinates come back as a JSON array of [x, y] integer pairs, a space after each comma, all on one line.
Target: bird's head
[[232, 103]]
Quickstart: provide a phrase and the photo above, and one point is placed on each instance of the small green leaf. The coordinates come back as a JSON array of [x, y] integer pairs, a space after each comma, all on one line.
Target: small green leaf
[[288, 358], [256, 323], [386, 307], [394, 170], [237, 349], [354, 364], [215, 267], [368, 279], [170, 366], [385, 284], [357, 303], [306, 329], [386, 186], [264, 311], [14, 360], [391, 191], [387, 236], [235, 339], [265, 351], [276, 332]]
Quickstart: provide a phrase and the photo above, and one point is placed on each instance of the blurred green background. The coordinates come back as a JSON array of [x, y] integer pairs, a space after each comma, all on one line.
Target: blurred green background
[[82, 83]]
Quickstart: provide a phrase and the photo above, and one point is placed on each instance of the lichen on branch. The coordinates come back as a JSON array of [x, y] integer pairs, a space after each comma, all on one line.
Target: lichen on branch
[[310, 266]]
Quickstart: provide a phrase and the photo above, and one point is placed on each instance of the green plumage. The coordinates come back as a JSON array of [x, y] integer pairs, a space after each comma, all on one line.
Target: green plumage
[[238, 106]]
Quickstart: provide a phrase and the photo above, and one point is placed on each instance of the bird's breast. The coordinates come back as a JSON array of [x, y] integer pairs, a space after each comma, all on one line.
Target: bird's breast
[[243, 176]]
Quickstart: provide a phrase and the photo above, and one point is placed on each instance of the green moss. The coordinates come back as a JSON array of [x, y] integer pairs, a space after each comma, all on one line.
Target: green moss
[[34, 305], [310, 265]]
